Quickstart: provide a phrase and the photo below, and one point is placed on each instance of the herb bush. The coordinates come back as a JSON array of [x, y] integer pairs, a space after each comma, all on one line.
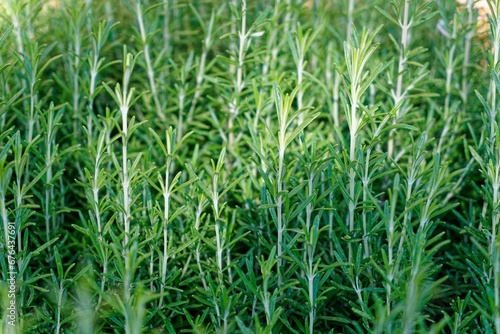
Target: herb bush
[[249, 167]]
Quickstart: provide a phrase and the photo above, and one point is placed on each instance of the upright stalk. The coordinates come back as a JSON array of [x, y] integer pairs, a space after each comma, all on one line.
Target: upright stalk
[[279, 204], [494, 248], [419, 243], [51, 153], [353, 130], [5, 177], [202, 203], [493, 89], [234, 106], [77, 20], [217, 217], [399, 93], [283, 107], [391, 238], [464, 92], [350, 20], [299, 46], [123, 96], [494, 166], [358, 79], [147, 57], [412, 176], [207, 43], [97, 182], [167, 35], [311, 272], [167, 187], [366, 190], [450, 61], [95, 64], [338, 76]]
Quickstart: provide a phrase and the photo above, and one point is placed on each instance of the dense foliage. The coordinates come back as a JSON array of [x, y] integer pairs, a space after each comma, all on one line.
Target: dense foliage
[[249, 167]]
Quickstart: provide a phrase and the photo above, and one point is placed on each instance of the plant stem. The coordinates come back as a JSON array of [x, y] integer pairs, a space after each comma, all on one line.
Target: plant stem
[[449, 75], [400, 92], [59, 307], [234, 107], [218, 236], [352, 158], [494, 246], [149, 66], [170, 135], [75, 62], [166, 28], [279, 204], [365, 181], [464, 92]]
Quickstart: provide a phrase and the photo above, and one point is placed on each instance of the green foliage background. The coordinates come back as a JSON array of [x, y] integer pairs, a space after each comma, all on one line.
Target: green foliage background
[[249, 167]]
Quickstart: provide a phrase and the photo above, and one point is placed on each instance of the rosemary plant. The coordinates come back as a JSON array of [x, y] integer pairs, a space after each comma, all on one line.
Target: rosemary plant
[[286, 167]]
